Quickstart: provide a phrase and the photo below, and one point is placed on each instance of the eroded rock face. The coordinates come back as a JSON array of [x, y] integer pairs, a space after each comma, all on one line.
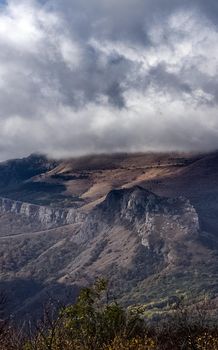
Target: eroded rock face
[[159, 222], [46, 216]]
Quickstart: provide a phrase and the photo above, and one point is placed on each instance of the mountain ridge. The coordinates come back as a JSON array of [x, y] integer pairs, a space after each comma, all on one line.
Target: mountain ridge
[[137, 236]]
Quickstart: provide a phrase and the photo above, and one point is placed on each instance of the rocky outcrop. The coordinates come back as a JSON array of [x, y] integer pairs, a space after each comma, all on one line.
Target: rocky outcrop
[[155, 219], [46, 217], [159, 222]]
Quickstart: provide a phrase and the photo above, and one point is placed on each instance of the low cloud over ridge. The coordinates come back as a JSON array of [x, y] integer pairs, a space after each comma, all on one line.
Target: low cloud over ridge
[[80, 76]]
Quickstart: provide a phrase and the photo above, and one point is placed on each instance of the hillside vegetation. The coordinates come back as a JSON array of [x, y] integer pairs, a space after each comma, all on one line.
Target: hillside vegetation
[[94, 323]]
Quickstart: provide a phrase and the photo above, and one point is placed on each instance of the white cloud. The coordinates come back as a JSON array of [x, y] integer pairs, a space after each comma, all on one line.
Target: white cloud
[[69, 88]]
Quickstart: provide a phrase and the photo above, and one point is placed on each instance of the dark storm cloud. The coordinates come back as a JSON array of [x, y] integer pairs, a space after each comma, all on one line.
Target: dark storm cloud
[[80, 76]]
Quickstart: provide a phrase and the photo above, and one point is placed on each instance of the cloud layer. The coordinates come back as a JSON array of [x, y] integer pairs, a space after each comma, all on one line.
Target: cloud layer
[[80, 76]]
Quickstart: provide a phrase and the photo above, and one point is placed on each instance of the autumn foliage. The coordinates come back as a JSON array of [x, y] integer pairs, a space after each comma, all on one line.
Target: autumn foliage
[[95, 323]]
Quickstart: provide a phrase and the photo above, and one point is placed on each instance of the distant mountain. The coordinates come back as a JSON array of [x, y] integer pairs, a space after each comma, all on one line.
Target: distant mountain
[[147, 222], [14, 172], [84, 181]]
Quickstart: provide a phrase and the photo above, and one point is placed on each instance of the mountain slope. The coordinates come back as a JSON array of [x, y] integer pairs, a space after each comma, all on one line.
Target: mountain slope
[[135, 238], [80, 182]]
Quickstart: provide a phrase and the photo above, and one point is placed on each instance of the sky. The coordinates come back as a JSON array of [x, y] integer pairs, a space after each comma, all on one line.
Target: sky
[[94, 76]]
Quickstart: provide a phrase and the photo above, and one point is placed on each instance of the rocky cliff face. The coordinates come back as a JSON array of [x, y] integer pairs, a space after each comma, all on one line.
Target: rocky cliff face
[[156, 220], [47, 217], [161, 224]]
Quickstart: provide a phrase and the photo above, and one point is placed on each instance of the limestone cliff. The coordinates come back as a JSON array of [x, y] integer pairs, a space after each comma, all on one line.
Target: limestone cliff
[[47, 217], [159, 222]]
